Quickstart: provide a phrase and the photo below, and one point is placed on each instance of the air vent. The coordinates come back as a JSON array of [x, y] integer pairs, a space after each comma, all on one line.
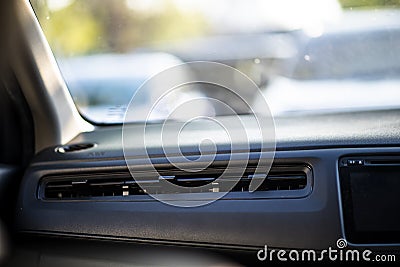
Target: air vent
[[74, 148], [121, 184]]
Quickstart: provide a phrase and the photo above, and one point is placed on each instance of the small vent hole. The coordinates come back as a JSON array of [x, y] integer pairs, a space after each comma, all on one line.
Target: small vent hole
[[74, 148]]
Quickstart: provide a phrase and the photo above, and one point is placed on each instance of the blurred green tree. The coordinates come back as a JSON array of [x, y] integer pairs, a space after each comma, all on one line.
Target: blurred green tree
[[369, 3], [70, 30], [92, 26]]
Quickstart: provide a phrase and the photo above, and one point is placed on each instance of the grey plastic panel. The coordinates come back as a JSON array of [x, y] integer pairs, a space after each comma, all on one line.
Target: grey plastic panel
[[310, 222], [361, 129], [290, 223]]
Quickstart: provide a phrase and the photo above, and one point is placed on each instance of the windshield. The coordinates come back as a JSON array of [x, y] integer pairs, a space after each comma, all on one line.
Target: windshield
[[309, 56]]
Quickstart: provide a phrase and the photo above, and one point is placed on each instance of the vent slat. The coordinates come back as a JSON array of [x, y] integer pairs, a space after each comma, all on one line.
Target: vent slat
[[121, 184]]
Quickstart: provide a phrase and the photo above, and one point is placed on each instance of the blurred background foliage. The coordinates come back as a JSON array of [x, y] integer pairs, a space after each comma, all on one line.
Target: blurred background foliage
[[79, 27], [370, 3], [76, 27]]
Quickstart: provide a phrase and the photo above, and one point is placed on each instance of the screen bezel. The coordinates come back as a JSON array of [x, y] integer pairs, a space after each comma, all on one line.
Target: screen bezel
[[351, 233]]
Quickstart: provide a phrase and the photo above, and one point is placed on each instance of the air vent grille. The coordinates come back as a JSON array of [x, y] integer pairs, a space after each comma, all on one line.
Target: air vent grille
[[92, 185]]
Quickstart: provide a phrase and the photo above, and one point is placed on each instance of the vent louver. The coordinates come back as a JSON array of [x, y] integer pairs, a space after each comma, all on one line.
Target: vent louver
[[112, 184]]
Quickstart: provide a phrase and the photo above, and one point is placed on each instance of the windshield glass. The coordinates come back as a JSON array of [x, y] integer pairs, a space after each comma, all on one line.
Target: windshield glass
[[309, 56]]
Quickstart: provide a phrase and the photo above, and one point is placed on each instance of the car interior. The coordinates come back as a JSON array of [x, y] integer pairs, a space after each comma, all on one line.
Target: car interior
[[290, 187]]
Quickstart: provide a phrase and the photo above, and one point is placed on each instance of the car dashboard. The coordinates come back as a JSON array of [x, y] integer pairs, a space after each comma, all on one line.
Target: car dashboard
[[307, 201]]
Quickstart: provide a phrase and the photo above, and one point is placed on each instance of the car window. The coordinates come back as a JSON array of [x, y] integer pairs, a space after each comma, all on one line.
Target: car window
[[292, 50]]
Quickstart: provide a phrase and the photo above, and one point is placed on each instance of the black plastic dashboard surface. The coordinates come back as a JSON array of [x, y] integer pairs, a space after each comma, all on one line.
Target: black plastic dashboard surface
[[313, 221]]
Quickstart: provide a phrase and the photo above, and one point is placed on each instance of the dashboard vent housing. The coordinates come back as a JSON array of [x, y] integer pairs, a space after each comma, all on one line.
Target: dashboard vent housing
[[74, 148], [289, 179]]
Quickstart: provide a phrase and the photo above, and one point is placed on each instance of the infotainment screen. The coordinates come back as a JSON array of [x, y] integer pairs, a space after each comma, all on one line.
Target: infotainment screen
[[371, 201]]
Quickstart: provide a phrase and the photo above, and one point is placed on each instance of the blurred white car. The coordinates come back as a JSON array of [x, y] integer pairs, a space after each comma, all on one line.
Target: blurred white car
[[102, 86], [352, 66]]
